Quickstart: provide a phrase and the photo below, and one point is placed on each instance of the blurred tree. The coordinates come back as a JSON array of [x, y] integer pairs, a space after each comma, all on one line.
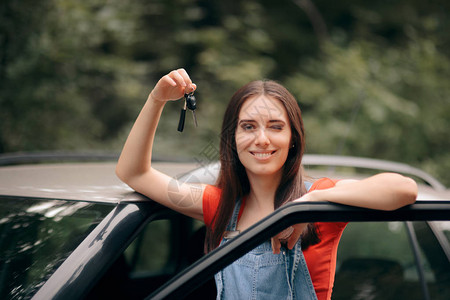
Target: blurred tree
[[389, 103], [65, 74], [370, 75]]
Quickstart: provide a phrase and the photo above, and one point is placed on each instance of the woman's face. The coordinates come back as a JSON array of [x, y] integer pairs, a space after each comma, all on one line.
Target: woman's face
[[263, 135]]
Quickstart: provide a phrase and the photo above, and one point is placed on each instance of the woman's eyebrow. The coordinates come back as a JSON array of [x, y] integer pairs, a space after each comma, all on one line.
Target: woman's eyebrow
[[246, 121], [254, 121]]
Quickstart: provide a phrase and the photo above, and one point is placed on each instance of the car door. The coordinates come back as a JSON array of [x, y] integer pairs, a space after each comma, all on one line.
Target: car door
[[202, 271]]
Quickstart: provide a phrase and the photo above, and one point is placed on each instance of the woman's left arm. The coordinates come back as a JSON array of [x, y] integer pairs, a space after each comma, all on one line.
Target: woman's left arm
[[385, 191]]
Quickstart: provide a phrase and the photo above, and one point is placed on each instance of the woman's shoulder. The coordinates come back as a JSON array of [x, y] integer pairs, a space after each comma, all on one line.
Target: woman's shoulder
[[211, 198], [327, 227], [322, 183], [211, 192]]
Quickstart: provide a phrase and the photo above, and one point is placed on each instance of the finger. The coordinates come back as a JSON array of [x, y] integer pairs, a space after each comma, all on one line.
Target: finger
[[276, 245], [185, 76], [191, 88], [178, 78], [293, 239], [286, 233], [187, 80], [169, 80]]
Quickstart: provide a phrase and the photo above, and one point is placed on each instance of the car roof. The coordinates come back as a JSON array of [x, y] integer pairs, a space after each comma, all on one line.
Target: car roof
[[429, 187], [95, 182], [372, 164]]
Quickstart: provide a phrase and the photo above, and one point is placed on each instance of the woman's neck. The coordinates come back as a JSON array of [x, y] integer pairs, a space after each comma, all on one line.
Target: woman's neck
[[262, 190], [259, 202]]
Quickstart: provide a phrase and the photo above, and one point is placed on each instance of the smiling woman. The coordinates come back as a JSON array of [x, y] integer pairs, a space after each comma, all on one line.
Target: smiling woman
[[261, 127], [261, 150]]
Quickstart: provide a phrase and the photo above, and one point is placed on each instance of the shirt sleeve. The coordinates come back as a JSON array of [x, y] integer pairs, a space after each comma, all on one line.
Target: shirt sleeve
[[211, 198], [321, 257], [323, 184]]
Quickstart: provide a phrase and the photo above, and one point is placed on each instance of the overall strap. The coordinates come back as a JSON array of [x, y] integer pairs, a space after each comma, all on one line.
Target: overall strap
[[231, 227], [308, 185], [234, 217]]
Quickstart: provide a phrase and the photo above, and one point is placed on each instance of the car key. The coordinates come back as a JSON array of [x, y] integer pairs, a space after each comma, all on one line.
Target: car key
[[182, 117], [191, 103]]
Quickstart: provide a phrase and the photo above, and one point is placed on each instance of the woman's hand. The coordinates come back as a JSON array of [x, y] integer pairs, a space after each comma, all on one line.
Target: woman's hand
[[289, 236], [172, 86]]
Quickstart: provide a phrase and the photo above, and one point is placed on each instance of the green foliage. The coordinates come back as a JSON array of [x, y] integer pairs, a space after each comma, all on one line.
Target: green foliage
[[389, 103], [74, 74], [66, 75]]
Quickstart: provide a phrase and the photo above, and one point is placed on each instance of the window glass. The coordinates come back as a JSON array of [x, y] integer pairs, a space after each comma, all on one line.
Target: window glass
[[376, 261], [150, 252], [165, 245], [36, 236], [444, 228], [432, 240]]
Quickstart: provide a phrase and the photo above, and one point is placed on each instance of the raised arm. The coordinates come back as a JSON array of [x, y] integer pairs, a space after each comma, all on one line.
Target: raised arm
[[134, 165], [385, 191]]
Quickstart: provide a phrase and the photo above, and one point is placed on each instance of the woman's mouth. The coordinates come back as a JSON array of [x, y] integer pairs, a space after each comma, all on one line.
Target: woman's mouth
[[263, 155]]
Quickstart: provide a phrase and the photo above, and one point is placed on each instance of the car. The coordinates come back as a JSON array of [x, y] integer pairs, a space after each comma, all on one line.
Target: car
[[74, 231]]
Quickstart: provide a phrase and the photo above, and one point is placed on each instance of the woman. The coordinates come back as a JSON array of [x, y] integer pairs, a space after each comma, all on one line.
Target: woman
[[262, 144]]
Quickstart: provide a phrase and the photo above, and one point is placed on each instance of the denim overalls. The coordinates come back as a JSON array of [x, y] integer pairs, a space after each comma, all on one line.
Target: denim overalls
[[260, 274]]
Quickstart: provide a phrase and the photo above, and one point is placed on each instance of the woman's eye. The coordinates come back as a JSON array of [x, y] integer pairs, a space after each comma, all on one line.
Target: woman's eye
[[247, 126], [277, 127]]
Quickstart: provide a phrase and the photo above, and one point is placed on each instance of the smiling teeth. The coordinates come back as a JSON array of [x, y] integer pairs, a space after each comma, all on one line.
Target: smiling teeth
[[262, 155]]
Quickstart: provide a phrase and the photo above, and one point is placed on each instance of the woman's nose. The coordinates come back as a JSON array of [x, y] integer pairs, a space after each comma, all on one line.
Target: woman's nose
[[261, 138]]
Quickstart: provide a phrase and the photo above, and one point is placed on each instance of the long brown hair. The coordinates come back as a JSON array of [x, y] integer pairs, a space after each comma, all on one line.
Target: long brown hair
[[233, 180]]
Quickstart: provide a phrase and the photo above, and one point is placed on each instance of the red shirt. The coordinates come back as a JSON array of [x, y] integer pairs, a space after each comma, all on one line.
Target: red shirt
[[320, 258]]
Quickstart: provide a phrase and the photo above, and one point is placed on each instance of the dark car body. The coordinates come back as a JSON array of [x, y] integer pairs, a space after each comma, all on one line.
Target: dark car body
[[74, 231]]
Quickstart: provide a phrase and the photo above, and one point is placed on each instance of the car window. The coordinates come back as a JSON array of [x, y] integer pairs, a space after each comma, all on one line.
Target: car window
[[36, 236], [376, 261], [167, 244], [150, 252], [444, 228], [432, 240]]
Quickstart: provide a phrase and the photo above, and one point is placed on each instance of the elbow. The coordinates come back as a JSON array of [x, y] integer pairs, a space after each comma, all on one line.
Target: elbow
[[129, 175], [120, 173], [406, 192], [410, 191], [123, 172]]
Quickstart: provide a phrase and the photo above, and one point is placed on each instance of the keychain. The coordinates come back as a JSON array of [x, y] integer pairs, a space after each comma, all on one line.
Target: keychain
[[191, 104]]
